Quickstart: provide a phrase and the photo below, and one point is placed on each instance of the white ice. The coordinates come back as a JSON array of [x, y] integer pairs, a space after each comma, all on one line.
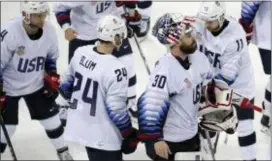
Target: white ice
[[30, 141]]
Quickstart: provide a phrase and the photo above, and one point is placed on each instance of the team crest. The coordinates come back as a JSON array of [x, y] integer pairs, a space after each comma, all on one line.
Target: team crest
[[20, 50]]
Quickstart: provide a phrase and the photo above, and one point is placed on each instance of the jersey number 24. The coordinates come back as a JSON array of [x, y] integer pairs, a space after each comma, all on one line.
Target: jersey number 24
[[85, 98]]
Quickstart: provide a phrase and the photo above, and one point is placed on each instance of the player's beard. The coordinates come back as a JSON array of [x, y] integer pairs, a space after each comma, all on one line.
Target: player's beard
[[188, 49], [213, 29], [31, 29]]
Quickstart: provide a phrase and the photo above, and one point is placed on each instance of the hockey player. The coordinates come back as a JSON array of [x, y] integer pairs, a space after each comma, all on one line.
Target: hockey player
[[96, 84], [168, 109], [224, 43], [256, 21], [29, 50], [79, 29]]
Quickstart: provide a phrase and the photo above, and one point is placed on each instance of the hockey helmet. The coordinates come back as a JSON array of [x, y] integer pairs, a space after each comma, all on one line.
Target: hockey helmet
[[111, 27]]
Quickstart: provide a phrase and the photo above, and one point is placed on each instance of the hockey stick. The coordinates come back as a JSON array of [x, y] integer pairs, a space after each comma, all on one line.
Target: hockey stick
[[142, 55], [216, 142], [8, 138], [139, 48], [226, 139], [210, 144]]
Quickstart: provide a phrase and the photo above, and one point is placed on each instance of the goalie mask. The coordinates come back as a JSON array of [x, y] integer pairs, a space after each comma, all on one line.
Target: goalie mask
[[216, 110]]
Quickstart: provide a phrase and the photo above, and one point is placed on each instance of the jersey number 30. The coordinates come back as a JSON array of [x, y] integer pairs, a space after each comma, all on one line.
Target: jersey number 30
[[159, 82], [86, 88]]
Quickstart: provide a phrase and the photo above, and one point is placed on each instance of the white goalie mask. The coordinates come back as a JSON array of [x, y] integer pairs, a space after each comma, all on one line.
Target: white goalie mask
[[217, 112]]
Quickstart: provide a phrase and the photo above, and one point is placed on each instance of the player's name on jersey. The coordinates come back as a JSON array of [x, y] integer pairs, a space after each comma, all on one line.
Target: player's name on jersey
[[89, 64]]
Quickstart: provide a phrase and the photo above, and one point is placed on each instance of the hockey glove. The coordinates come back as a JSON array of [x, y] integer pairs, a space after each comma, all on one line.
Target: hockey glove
[[133, 20], [144, 26], [51, 84], [2, 96], [130, 141], [248, 27], [131, 4]]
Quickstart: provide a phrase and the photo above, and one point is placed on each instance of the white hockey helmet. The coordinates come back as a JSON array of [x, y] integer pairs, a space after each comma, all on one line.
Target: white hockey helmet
[[34, 7], [30, 7], [111, 26], [211, 11]]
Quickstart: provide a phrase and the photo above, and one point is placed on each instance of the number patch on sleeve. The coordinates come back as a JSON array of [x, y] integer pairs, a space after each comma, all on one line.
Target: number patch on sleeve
[[160, 81], [240, 45], [121, 74]]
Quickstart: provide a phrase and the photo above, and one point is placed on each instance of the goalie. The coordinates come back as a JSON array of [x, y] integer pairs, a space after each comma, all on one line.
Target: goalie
[[168, 108]]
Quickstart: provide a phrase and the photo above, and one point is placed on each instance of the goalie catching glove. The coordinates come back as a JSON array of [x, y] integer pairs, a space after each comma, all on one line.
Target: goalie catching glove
[[216, 111]]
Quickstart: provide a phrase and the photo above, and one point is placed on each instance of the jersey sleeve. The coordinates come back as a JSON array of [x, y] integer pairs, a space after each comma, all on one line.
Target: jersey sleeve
[[7, 47], [249, 10], [230, 61], [67, 81], [63, 9], [116, 86], [53, 54], [153, 104]]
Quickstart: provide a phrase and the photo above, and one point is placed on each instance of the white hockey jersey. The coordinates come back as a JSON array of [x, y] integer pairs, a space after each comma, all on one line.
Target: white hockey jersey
[[259, 13], [84, 15], [97, 86], [229, 55], [23, 61], [169, 106]]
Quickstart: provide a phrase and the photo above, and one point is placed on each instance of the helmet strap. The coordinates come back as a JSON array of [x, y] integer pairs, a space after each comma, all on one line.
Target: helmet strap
[[221, 20]]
